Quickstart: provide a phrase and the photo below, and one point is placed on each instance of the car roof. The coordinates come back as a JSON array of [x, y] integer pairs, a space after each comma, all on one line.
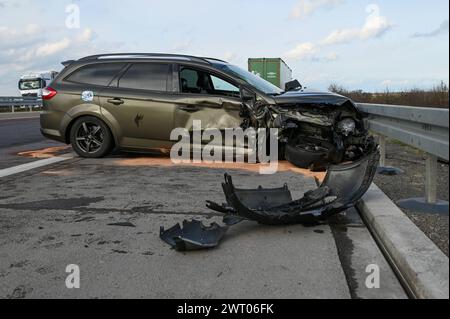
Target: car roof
[[147, 56]]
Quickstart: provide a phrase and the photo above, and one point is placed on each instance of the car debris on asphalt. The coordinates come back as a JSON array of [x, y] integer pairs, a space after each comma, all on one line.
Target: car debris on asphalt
[[343, 186]]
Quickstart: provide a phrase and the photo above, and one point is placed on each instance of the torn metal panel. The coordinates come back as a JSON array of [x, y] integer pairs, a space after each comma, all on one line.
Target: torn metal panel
[[193, 236]]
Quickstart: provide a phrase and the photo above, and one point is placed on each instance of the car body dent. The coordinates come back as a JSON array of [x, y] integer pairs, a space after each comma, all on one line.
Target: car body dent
[[217, 113]]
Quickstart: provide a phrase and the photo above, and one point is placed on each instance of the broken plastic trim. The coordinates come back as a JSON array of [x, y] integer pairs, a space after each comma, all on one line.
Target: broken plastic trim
[[343, 186], [193, 236]]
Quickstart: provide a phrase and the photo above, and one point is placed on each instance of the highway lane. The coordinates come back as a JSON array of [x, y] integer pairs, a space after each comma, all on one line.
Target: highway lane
[[20, 132], [19, 129], [71, 213], [43, 212]]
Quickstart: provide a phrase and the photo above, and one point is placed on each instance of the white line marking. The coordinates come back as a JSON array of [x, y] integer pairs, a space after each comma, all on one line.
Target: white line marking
[[29, 166]]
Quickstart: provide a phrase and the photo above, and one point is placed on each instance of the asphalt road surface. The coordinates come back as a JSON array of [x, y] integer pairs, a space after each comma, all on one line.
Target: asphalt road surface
[[64, 214], [18, 129], [20, 132]]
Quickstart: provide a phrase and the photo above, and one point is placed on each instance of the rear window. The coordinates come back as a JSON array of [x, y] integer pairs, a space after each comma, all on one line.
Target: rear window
[[96, 74], [146, 76]]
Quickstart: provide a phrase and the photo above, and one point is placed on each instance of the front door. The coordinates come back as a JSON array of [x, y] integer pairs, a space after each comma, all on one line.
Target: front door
[[207, 98]]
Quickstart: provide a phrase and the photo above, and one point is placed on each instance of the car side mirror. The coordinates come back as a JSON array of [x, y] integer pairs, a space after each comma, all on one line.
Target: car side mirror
[[247, 95], [292, 86]]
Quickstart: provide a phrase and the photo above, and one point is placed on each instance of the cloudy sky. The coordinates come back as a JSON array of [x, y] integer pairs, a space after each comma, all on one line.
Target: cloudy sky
[[360, 44]]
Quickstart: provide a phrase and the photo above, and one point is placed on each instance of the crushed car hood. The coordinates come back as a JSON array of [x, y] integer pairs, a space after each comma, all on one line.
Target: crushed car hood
[[311, 97]]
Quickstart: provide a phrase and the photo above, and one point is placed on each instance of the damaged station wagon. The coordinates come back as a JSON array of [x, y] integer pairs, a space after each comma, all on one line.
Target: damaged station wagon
[[134, 101]]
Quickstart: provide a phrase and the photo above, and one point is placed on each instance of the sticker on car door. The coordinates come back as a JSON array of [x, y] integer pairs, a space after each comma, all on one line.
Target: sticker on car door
[[87, 96]]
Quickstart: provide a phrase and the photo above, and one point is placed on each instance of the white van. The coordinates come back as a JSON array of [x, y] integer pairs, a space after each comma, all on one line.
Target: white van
[[31, 84]]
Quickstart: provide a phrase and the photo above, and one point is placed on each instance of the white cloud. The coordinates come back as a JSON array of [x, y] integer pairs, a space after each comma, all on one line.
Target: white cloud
[[309, 51], [302, 51], [442, 29], [374, 27], [86, 36], [21, 48], [230, 56], [305, 8], [9, 34], [53, 47]]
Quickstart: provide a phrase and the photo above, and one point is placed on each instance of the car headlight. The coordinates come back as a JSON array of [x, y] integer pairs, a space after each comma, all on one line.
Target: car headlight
[[346, 126]]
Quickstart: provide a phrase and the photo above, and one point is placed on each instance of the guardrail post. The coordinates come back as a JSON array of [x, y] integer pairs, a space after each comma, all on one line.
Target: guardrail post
[[382, 168], [382, 142], [431, 178], [429, 204]]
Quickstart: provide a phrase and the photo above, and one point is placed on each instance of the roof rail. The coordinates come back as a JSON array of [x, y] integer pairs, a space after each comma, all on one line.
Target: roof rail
[[145, 55], [214, 59], [67, 63]]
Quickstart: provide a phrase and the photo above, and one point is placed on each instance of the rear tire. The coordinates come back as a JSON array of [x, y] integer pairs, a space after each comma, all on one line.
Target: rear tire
[[90, 137]]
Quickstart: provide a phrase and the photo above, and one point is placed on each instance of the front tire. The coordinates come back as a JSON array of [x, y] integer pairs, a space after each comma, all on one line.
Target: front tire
[[91, 138]]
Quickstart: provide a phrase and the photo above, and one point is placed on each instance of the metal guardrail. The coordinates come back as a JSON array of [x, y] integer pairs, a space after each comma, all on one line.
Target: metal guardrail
[[426, 129], [12, 102]]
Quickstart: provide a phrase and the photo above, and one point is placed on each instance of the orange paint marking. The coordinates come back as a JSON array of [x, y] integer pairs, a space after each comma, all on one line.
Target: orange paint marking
[[44, 153], [283, 166]]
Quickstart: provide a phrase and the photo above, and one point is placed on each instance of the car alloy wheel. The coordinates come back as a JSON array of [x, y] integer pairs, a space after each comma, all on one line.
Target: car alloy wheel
[[89, 137]]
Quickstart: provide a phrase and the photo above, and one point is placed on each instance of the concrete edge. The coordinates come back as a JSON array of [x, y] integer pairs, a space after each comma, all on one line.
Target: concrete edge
[[423, 266]]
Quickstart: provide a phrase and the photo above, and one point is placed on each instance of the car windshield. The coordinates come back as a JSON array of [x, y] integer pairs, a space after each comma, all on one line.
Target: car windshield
[[250, 78], [30, 84]]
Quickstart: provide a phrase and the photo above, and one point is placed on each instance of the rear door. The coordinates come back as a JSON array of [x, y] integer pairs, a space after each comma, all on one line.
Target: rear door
[[140, 100]]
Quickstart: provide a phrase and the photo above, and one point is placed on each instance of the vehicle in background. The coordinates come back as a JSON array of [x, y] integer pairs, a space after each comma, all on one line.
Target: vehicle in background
[[273, 70], [31, 84]]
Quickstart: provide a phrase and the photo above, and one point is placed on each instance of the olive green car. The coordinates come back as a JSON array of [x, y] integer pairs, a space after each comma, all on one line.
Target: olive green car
[[134, 101]]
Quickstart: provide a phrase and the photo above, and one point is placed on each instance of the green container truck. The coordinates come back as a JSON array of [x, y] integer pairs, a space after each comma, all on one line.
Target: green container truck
[[274, 70]]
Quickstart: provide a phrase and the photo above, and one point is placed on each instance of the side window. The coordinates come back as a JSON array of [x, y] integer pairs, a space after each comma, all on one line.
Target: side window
[[189, 80], [146, 76], [224, 86], [96, 74], [193, 81], [199, 82]]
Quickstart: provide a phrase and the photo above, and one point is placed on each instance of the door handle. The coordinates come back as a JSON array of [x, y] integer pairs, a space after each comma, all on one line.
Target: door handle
[[116, 101], [189, 108]]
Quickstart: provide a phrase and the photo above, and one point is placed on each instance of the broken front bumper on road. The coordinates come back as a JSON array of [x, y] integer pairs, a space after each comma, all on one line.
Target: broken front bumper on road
[[343, 186]]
